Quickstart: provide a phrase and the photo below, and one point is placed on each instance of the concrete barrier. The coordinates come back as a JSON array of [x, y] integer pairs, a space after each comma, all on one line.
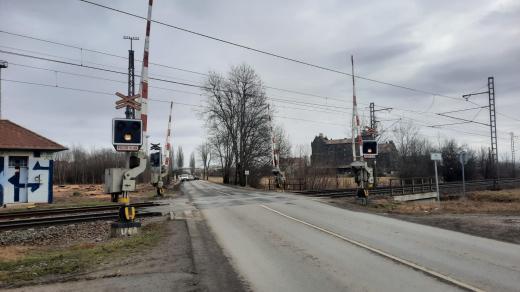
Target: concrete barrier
[[416, 197]]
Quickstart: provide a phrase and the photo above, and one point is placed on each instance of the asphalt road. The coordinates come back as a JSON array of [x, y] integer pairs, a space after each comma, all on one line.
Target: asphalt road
[[283, 242]]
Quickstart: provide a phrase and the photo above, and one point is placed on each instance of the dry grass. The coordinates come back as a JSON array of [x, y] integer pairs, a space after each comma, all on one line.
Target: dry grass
[[216, 179], [502, 196], [491, 202], [12, 253], [330, 182], [49, 261], [87, 195], [69, 195]]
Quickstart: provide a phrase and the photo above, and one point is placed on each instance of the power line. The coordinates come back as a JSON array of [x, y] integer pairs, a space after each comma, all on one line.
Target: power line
[[198, 105], [264, 52], [151, 99], [424, 125], [463, 110], [165, 80], [99, 78], [277, 100], [192, 71], [87, 90], [117, 72], [151, 63], [95, 51], [97, 68], [153, 78]]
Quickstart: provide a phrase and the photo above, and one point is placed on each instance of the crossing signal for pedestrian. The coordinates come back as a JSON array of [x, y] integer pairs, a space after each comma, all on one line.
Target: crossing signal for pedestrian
[[155, 159]]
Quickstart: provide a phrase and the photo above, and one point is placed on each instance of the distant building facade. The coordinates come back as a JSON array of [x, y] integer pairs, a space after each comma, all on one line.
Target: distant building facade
[[337, 154], [26, 165]]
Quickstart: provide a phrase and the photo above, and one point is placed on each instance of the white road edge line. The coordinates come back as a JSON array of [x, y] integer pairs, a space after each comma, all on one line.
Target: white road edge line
[[382, 253]]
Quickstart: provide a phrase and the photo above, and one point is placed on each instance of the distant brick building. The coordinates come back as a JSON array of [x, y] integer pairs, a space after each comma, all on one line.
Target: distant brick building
[[337, 154]]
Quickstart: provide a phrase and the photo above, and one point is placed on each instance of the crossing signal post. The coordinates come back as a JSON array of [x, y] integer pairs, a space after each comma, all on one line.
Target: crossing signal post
[[363, 174], [158, 172], [127, 136]]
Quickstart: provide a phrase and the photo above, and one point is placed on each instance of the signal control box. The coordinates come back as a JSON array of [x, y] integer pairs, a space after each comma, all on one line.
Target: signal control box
[[113, 180]]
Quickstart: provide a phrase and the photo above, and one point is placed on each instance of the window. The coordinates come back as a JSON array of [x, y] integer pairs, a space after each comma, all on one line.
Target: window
[[18, 161]]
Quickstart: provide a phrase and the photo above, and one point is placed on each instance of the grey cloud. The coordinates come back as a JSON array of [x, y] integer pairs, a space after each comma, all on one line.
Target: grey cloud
[[384, 36]]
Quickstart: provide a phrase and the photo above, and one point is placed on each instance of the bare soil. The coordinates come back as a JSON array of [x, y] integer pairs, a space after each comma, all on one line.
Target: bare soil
[[12, 253], [92, 195], [88, 194], [180, 261], [491, 214]]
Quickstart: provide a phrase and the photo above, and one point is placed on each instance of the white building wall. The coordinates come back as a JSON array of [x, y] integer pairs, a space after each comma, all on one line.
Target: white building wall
[[39, 184]]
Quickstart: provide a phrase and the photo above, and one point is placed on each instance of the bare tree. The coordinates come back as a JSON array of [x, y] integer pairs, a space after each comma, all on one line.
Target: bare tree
[[192, 163], [238, 120], [180, 158], [81, 166], [221, 148], [205, 157], [282, 141], [413, 151]]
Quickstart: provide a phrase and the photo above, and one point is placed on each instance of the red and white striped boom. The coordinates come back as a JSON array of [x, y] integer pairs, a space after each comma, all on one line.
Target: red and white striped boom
[[167, 148], [274, 149], [356, 123], [143, 85]]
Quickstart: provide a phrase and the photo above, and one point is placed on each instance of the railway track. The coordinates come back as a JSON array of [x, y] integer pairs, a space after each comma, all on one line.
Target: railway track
[[444, 188], [57, 211], [38, 218]]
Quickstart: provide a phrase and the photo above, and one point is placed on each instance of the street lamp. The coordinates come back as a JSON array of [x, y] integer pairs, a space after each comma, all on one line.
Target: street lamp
[[3, 65]]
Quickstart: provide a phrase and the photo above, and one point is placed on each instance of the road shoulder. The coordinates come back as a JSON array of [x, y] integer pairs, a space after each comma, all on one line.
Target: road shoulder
[[503, 226], [214, 269]]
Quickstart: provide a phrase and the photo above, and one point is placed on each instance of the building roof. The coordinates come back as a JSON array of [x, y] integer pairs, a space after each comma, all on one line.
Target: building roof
[[338, 141], [16, 137], [326, 140], [383, 147]]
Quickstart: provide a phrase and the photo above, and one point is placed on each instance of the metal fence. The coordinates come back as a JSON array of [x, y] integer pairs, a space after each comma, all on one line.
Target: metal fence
[[409, 186]]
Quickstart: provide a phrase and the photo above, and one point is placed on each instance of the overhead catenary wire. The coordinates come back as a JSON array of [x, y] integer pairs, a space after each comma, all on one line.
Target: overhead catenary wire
[[98, 78], [198, 106], [422, 124], [151, 63], [118, 72], [324, 108], [205, 74], [264, 52], [158, 79], [85, 90], [152, 78]]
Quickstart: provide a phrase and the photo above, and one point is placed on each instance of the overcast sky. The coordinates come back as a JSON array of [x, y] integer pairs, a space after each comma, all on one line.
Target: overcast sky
[[443, 47]]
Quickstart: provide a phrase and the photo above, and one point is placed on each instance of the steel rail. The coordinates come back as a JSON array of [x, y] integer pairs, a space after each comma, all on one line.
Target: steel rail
[[57, 211], [37, 222]]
